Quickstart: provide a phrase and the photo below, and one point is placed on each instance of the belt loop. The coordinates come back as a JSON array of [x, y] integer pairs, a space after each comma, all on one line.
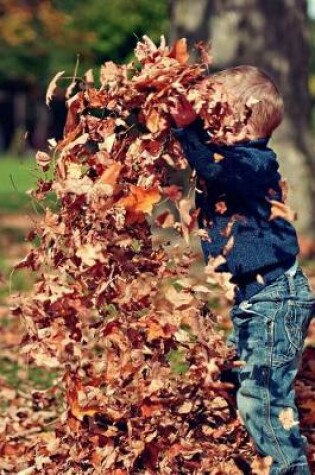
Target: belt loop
[[290, 273], [292, 288]]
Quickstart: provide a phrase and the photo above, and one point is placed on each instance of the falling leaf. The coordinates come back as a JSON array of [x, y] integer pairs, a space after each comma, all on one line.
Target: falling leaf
[[52, 87], [111, 174], [281, 210], [220, 207], [90, 254], [165, 220], [188, 215], [217, 157], [204, 51], [43, 159], [260, 279], [174, 192], [141, 200], [228, 246], [76, 408], [88, 76], [179, 51], [110, 73], [109, 142]]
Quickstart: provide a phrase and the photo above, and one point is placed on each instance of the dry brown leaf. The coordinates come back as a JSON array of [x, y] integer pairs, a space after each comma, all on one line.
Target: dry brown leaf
[[179, 51], [282, 210], [52, 87]]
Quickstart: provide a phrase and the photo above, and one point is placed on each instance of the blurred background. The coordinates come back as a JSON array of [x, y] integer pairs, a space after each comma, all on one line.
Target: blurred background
[[38, 38]]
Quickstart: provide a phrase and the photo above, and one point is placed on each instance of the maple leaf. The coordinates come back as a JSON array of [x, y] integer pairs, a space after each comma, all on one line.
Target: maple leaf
[[90, 254], [140, 200], [149, 409], [155, 330]]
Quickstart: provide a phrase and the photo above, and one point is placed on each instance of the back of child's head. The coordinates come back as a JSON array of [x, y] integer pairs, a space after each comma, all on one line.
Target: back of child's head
[[250, 86]]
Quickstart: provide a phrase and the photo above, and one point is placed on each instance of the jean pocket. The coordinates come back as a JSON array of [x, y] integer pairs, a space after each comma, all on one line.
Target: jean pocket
[[296, 322], [252, 322]]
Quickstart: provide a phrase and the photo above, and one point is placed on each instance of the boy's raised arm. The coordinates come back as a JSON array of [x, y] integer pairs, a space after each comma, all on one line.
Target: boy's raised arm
[[198, 153], [238, 165], [193, 138]]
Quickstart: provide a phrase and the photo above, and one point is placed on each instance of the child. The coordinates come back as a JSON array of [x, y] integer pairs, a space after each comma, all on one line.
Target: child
[[273, 300]]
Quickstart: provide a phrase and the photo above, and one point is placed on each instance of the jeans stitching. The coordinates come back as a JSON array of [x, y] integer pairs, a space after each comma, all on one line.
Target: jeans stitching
[[267, 393], [287, 292]]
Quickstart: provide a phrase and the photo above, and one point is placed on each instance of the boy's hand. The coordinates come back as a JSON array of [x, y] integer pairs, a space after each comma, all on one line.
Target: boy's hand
[[182, 112]]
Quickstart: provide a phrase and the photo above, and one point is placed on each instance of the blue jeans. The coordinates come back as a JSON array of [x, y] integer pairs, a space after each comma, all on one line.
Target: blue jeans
[[269, 332]]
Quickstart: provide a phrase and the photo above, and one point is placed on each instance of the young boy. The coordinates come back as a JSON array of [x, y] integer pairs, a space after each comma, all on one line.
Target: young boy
[[273, 300]]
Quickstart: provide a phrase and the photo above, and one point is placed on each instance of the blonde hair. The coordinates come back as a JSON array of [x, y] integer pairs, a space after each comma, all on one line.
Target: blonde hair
[[250, 86]]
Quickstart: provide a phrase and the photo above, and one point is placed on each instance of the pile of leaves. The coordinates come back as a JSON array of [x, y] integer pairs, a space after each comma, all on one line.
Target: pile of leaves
[[118, 315]]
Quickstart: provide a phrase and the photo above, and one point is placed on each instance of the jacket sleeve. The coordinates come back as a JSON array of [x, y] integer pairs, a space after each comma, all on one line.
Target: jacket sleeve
[[199, 154], [242, 168]]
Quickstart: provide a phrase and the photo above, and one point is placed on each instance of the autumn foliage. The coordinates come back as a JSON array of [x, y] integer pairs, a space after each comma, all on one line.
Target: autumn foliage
[[135, 341]]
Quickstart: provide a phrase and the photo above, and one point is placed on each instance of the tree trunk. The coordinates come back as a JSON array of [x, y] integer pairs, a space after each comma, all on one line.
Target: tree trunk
[[272, 35]]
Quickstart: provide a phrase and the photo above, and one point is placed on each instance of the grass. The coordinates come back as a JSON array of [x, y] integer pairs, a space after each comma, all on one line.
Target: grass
[[16, 375], [17, 176]]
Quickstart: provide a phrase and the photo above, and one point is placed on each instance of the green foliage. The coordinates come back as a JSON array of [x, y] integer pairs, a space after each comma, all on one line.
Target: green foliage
[[118, 25], [16, 375], [136, 245], [17, 176], [38, 40], [13, 281]]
